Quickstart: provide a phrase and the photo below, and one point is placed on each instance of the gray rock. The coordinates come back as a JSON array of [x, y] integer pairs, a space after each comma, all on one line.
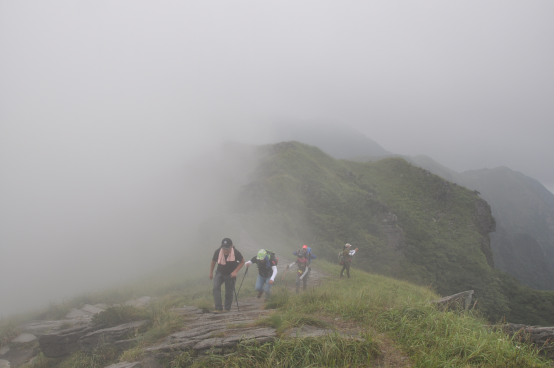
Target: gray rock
[[24, 338], [62, 343], [4, 363], [171, 347], [39, 328], [4, 349], [87, 308], [251, 334], [541, 337], [462, 299], [75, 313], [126, 365], [257, 336], [108, 335]]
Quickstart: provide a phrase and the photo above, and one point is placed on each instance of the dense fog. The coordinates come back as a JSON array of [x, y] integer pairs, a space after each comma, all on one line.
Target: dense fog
[[109, 110]]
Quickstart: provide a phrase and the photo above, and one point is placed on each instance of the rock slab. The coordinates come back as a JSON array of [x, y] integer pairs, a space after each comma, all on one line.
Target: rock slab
[[108, 335], [462, 299], [126, 365], [62, 343], [24, 338]]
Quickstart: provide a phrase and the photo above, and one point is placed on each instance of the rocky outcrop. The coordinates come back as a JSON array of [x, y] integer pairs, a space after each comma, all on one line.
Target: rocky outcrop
[[214, 333], [460, 300], [541, 337], [109, 335], [87, 337], [39, 328], [482, 217], [393, 232], [64, 342], [126, 365]]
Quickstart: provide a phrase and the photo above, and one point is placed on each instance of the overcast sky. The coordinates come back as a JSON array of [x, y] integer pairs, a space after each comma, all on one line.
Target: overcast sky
[[99, 99]]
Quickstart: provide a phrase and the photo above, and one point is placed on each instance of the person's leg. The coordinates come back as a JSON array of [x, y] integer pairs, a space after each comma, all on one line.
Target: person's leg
[[218, 281], [348, 269], [305, 281], [229, 291], [260, 285], [343, 268], [267, 288], [297, 282]]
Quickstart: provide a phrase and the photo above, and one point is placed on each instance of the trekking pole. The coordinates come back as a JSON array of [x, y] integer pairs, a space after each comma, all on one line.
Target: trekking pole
[[236, 294], [286, 269]]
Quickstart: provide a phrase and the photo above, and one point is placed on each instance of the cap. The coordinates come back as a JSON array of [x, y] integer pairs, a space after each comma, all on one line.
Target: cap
[[261, 254], [347, 245], [301, 254], [226, 243], [305, 247]]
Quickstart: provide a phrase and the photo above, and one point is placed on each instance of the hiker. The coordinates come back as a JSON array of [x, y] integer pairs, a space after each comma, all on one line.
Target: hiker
[[267, 270], [308, 252], [303, 270], [347, 259], [229, 262]]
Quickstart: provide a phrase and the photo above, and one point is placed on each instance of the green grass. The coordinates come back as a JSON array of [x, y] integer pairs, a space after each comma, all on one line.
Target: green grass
[[431, 337], [328, 351]]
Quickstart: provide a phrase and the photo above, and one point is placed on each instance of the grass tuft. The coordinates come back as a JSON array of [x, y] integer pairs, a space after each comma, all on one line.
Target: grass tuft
[[328, 351]]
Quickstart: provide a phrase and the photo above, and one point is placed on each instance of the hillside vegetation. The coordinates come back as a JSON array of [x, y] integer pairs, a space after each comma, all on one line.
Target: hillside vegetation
[[523, 243], [408, 224]]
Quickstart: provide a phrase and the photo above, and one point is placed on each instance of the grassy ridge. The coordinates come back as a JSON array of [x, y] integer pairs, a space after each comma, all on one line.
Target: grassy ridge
[[299, 193]]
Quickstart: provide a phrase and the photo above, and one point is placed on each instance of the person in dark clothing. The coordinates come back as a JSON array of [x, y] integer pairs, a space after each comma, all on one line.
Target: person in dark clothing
[[229, 261], [267, 270], [303, 271], [347, 259]]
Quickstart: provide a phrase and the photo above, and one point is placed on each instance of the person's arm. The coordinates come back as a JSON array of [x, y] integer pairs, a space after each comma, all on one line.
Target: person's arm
[[274, 268], [312, 256], [295, 253], [247, 264], [292, 264], [236, 271], [212, 270]]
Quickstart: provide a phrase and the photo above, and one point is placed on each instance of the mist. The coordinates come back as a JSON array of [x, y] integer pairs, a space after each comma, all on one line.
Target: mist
[[109, 111]]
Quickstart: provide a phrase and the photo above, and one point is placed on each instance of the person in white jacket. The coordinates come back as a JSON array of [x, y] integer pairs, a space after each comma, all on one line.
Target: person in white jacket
[[267, 270]]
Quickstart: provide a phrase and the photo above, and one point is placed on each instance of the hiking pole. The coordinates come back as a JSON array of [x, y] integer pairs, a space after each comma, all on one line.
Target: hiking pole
[[286, 269], [236, 296]]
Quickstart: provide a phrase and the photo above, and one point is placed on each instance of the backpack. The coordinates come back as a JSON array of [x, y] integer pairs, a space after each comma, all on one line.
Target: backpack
[[341, 258], [271, 260], [302, 264]]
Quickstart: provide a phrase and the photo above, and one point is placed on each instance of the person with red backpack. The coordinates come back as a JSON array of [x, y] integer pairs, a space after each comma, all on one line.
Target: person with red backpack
[[308, 252], [267, 270], [303, 270]]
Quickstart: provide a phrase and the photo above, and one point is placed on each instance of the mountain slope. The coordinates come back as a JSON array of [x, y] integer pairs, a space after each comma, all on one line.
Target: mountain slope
[[407, 222]]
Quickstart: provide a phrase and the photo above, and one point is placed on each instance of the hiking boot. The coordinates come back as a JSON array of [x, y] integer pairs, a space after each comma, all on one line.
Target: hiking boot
[[217, 311], [259, 294]]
